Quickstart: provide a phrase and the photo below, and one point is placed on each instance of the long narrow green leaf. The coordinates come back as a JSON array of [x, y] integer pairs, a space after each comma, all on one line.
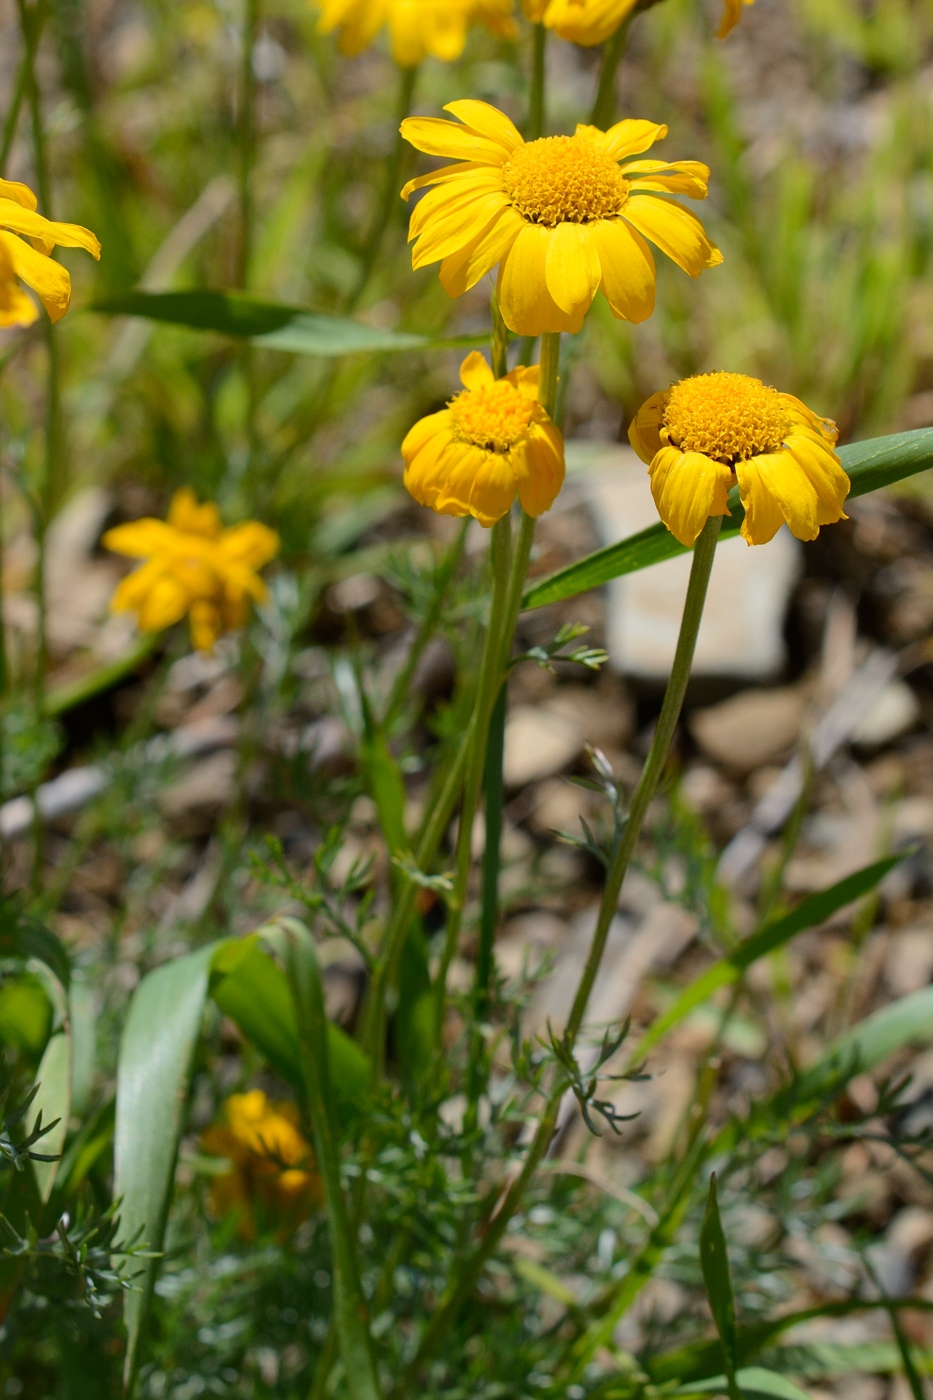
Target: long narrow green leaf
[[872, 464], [53, 1102], [269, 324], [753, 1382], [813, 910], [156, 1056], [714, 1263], [907, 1021]]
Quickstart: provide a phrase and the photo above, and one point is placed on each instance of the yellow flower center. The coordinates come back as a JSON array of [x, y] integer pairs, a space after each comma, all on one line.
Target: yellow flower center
[[495, 418], [564, 179], [729, 417]]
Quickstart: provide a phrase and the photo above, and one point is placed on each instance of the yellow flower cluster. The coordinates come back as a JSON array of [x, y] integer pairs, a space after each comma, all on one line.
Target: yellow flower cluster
[[271, 1177], [416, 28], [194, 567], [31, 262], [589, 22], [709, 432]]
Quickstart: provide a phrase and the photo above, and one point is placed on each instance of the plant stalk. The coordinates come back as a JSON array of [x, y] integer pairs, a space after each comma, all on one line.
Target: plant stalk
[[383, 220], [604, 106], [537, 113]]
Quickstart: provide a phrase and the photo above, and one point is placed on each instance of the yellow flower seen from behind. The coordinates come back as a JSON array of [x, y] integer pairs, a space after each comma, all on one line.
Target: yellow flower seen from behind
[[193, 567], [416, 28], [589, 22], [560, 216], [491, 442], [31, 262], [271, 1174], [708, 432]]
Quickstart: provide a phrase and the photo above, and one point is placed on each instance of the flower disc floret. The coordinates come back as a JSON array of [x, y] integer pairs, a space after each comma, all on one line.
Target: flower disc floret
[[564, 179], [560, 216], [711, 432], [729, 417], [492, 442]]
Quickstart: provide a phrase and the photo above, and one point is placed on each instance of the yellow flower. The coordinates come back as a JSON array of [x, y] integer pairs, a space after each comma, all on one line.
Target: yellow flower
[[708, 432], [194, 566], [32, 262], [492, 441], [416, 28], [559, 216], [732, 13], [269, 1163]]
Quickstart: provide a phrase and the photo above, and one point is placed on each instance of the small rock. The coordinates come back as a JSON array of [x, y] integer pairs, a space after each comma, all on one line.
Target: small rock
[[894, 713], [538, 744], [908, 962], [207, 787], [750, 729], [559, 806]]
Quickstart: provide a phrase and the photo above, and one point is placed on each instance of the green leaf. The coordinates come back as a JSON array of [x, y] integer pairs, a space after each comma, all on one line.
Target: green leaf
[[908, 1021], [270, 325], [714, 1262], [753, 1382], [153, 1075], [249, 988], [813, 910], [53, 1102], [25, 1015], [22, 936], [871, 465]]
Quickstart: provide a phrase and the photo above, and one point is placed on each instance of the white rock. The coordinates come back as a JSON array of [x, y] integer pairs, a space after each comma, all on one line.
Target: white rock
[[538, 744], [895, 711], [742, 630], [750, 729]]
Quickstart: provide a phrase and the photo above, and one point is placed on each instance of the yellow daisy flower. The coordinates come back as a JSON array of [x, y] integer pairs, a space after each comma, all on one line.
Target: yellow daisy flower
[[559, 215], [32, 262], [708, 432], [417, 28], [193, 566], [491, 441], [269, 1159]]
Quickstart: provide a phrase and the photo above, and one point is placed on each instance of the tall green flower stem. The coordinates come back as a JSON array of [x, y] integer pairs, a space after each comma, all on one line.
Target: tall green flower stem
[[31, 26], [604, 106], [383, 220], [536, 104], [464, 1282]]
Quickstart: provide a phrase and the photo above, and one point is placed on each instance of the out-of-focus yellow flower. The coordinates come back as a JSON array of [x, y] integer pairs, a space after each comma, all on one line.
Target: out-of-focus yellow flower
[[271, 1164], [492, 441], [192, 566], [732, 13], [559, 215], [31, 262], [708, 432], [417, 28], [534, 10]]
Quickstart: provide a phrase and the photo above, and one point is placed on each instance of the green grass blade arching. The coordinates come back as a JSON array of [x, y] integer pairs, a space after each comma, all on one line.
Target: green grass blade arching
[[270, 325], [714, 1263], [872, 464]]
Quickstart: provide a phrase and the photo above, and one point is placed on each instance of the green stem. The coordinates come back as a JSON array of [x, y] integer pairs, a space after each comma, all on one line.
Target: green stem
[[493, 790], [246, 140], [550, 362], [383, 221], [613, 51], [464, 1283], [442, 582], [536, 102]]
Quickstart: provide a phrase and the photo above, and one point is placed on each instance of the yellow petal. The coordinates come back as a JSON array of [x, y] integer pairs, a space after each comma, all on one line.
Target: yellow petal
[[487, 121], [18, 219], [631, 137], [437, 137], [493, 489], [463, 269], [775, 483], [690, 177], [251, 543], [446, 173], [185, 514], [475, 372], [526, 379], [427, 469], [572, 268], [675, 230], [453, 195], [140, 538], [47, 278], [20, 194], [524, 299], [586, 24], [450, 232], [688, 487], [645, 428], [825, 474], [731, 14], [538, 468], [423, 431], [629, 277], [824, 427], [206, 624]]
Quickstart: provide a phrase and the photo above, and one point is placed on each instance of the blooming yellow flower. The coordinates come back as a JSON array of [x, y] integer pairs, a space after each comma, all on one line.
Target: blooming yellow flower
[[194, 566], [32, 262], [416, 28], [270, 1163], [559, 216], [708, 432], [492, 441]]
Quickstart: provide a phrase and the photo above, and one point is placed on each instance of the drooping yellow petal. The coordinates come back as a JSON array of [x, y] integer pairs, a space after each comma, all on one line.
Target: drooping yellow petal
[[538, 467], [463, 269], [524, 299], [16, 308], [20, 194], [629, 277], [475, 372], [438, 137], [572, 268], [586, 22], [825, 474], [493, 490], [800, 413], [47, 278], [487, 121], [645, 428], [423, 431], [763, 513], [17, 219], [688, 487], [689, 177], [772, 481], [675, 230]]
